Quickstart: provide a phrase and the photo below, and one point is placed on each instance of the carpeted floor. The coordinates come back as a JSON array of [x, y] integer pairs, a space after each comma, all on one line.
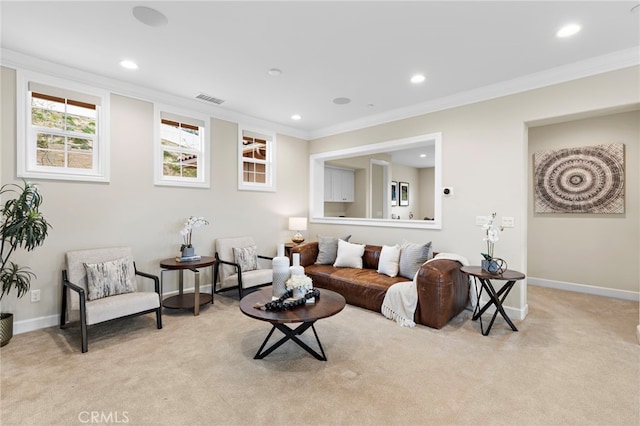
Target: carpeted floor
[[575, 360]]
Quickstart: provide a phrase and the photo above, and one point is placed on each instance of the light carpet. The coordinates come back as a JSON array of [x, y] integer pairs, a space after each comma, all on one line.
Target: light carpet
[[574, 361]]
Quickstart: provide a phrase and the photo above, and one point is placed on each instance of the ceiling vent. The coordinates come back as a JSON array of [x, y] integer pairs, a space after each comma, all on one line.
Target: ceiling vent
[[208, 98]]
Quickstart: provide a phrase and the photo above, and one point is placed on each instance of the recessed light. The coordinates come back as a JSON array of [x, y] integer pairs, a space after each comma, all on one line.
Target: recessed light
[[418, 78], [275, 72], [130, 65], [341, 101], [568, 30], [423, 155], [296, 117], [149, 16]]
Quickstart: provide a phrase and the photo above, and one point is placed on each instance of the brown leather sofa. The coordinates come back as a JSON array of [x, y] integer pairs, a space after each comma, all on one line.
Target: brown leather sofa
[[443, 290]]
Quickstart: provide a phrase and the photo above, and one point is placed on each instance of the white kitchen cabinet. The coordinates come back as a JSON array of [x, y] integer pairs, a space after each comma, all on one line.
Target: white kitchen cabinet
[[339, 185]]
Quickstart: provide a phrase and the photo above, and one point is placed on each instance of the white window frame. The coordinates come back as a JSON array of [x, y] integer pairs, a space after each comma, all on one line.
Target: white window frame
[[26, 145], [270, 162], [202, 180]]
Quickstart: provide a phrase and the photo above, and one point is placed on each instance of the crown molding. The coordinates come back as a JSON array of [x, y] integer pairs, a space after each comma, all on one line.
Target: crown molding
[[593, 66], [18, 60]]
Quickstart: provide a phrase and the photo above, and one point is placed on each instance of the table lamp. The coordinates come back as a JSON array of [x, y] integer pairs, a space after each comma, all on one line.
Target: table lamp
[[297, 224]]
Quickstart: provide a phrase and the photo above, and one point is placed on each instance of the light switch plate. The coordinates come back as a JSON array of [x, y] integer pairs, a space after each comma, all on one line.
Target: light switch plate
[[508, 222]]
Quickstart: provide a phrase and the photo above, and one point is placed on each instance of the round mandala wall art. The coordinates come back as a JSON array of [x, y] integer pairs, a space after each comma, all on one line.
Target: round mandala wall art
[[580, 180]]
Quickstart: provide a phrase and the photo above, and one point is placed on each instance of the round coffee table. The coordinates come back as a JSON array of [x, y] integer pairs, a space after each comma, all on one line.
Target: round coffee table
[[328, 304]]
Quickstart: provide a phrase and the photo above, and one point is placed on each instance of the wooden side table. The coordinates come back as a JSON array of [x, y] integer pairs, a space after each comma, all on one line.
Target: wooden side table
[[187, 300], [495, 297], [287, 248]]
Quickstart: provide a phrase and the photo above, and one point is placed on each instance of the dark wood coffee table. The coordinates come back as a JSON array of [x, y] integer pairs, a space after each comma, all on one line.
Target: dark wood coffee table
[[328, 304]]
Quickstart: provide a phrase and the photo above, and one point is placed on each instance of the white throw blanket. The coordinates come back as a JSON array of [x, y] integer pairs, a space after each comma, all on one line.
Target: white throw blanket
[[401, 299]]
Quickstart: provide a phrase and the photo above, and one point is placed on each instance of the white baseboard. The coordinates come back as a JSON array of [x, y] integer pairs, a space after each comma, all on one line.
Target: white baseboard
[[203, 289], [33, 324], [513, 313], [588, 289]]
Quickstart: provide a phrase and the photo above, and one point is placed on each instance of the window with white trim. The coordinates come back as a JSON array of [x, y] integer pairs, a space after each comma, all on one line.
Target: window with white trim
[[181, 148], [256, 160], [62, 129]]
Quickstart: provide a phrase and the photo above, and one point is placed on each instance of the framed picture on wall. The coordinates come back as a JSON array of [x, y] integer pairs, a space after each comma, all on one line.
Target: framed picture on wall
[[394, 193], [404, 193]]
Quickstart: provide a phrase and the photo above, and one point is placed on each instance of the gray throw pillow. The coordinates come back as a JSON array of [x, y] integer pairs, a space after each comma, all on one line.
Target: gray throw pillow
[[246, 257], [412, 256], [110, 278], [328, 249]]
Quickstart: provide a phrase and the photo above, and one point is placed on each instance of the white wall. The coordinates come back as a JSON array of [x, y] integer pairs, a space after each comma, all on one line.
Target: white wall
[[131, 211], [485, 159], [600, 250], [427, 192]]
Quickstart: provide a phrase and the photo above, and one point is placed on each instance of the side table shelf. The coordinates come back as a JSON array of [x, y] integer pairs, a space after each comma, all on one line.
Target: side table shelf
[[187, 300]]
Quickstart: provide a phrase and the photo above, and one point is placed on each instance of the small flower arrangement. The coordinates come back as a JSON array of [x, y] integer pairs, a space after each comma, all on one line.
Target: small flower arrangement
[[186, 232], [300, 282], [492, 235]]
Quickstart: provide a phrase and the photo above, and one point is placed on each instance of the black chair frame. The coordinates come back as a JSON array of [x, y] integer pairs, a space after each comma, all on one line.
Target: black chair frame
[[66, 284], [241, 290]]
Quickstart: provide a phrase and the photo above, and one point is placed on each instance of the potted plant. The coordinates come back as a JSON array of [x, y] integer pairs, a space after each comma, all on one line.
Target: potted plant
[[22, 225], [186, 249]]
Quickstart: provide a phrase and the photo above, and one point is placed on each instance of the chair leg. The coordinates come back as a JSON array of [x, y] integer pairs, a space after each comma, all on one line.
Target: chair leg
[[159, 317], [83, 337], [240, 292], [63, 308], [83, 325]]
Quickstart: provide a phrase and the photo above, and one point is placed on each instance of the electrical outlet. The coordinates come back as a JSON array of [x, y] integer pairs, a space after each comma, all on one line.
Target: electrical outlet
[[35, 296], [508, 222]]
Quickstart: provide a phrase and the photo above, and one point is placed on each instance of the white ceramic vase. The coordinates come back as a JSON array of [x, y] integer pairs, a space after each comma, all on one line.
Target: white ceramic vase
[[281, 273]]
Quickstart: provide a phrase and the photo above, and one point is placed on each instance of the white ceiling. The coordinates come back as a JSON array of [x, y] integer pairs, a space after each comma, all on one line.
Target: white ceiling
[[365, 51]]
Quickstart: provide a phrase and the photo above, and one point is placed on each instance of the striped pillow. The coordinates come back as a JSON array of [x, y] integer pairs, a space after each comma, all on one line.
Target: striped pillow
[[246, 257], [412, 256], [110, 278]]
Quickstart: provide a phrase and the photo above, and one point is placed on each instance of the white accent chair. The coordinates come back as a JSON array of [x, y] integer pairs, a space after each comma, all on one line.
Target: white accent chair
[[77, 307], [229, 274]]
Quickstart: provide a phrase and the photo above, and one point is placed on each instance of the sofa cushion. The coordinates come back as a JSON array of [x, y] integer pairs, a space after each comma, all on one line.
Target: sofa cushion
[[360, 287], [412, 256], [328, 249], [389, 260], [110, 278], [349, 255]]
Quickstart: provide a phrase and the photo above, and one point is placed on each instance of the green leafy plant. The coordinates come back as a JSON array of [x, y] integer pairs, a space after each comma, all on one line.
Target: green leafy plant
[[22, 226]]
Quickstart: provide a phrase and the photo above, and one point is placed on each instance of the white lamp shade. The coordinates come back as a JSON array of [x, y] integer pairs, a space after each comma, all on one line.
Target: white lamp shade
[[297, 223]]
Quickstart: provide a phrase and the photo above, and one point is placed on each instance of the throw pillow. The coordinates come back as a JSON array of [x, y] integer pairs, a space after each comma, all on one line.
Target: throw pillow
[[412, 256], [349, 255], [328, 249], [246, 257], [389, 260], [110, 278]]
